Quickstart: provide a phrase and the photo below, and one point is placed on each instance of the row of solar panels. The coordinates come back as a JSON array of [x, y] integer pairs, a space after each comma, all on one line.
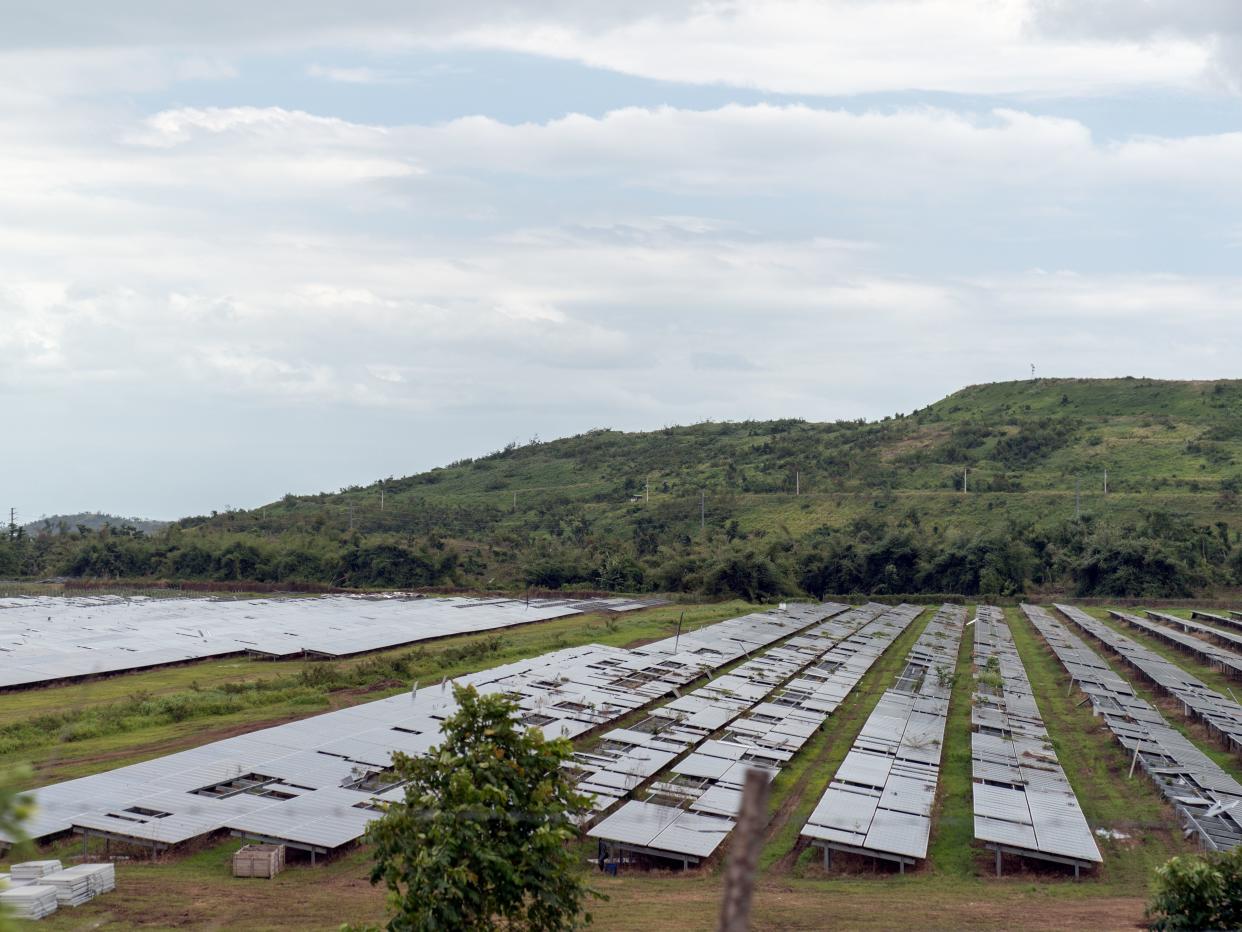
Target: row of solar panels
[[1204, 795], [47, 638], [1023, 802], [880, 801], [315, 783], [1221, 714], [763, 712], [1228, 661], [1232, 621]]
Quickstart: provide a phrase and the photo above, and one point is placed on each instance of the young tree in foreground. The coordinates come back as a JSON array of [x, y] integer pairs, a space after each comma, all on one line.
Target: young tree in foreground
[[481, 838], [1195, 892], [15, 808]]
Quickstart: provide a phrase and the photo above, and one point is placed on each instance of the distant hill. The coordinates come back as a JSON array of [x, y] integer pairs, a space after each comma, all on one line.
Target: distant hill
[[997, 488], [95, 520], [1030, 449]]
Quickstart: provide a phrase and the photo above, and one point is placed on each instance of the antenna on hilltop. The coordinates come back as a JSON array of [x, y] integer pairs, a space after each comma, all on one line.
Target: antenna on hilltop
[[1032, 372]]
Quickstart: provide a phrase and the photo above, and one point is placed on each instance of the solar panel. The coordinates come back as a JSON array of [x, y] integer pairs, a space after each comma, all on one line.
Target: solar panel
[[768, 708], [314, 782], [1023, 802], [880, 800], [1189, 780], [44, 638]]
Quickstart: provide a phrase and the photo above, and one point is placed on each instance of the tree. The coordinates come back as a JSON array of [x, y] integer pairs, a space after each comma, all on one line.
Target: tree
[[1198, 893], [481, 837], [15, 808]]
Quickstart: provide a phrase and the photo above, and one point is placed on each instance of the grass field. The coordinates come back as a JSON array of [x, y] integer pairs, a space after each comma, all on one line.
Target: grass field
[[953, 889]]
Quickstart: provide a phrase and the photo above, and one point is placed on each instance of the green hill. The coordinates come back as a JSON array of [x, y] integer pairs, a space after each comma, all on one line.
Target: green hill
[[791, 505]]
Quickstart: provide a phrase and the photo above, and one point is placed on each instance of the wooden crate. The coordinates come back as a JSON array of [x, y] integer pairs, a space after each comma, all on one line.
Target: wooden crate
[[259, 861]]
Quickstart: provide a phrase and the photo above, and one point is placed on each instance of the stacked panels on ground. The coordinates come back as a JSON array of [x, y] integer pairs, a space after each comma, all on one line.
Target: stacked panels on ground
[[880, 801], [1204, 795], [32, 901], [1023, 802], [761, 714]]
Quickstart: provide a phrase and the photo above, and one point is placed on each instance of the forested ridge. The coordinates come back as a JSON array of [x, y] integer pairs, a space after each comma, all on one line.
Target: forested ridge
[[1096, 487]]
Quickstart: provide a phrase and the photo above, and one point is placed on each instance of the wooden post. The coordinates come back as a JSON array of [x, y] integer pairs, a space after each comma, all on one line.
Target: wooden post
[[739, 884]]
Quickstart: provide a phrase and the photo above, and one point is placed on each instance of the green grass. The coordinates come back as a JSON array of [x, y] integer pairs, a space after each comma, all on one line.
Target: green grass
[[950, 851]]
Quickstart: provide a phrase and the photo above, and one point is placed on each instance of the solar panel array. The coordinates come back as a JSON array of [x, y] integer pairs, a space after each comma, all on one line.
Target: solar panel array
[[46, 638], [1219, 713], [880, 801], [1204, 795], [1233, 620], [626, 758], [762, 712], [316, 783], [1228, 661], [1023, 802]]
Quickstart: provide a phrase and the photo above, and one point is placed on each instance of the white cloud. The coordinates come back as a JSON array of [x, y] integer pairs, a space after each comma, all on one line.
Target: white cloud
[[792, 46], [214, 265], [355, 75]]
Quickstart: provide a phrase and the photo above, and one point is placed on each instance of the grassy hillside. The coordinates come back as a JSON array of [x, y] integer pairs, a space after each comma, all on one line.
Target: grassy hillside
[[618, 509]]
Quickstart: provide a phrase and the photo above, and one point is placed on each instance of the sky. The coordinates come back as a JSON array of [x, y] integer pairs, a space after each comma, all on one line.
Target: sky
[[256, 248]]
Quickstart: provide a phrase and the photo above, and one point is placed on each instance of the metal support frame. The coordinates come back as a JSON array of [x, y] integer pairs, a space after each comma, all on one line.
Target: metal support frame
[[1002, 849], [686, 859], [157, 847], [828, 847]]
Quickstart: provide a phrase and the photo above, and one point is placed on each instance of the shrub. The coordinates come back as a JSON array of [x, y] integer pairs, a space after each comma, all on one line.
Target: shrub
[[1198, 893]]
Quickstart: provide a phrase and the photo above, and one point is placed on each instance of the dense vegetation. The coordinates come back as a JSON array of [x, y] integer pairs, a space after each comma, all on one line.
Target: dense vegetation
[[997, 489], [93, 520]]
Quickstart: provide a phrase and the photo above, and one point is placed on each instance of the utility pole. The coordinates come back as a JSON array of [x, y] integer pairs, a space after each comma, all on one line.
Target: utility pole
[[797, 482], [381, 496], [515, 499], [1105, 480], [648, 490], [965, 475], [1032, 372]]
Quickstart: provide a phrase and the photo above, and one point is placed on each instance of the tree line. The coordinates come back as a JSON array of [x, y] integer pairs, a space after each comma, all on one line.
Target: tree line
[[1157, 555]]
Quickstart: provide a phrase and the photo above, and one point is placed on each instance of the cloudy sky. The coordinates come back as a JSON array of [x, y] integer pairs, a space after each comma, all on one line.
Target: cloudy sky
[[249, 248]]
